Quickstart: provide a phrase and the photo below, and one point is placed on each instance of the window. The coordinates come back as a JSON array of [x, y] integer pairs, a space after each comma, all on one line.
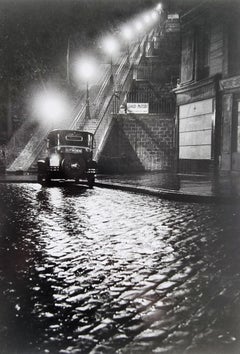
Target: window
[[238, 126], [234, 49], [202, 52], [187, 65]]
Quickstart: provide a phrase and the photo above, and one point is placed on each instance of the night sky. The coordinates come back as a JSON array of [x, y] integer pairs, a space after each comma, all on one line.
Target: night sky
[[41, 28], [34, 34], [34, 37]]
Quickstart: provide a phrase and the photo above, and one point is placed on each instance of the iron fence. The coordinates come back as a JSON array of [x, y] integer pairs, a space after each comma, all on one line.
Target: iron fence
[[158, 103]]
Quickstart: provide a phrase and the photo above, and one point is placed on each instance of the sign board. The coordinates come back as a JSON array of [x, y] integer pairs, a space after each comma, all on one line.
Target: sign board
[[173, 17], [138, 108]]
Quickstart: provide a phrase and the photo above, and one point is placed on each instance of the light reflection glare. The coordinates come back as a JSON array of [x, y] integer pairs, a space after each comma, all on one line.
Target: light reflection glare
[[110, 46], [147, 18], [76, 228], [50, 105], [56, 197], [85, 69], [139, 26], [154, 15], [127, 32]]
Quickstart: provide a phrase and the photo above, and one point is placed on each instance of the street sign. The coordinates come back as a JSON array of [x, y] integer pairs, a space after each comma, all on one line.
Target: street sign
[[173, 17], [138, 108]]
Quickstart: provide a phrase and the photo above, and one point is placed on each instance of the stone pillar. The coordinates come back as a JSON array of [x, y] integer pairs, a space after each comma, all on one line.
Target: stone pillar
[[227, 108]]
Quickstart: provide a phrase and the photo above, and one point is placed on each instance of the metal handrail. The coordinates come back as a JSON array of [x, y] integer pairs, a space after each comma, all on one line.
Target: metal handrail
[[105, 80], [102, 122]]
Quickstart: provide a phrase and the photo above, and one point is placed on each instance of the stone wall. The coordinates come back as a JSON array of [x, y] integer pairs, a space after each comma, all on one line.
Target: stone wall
[[139, 143]]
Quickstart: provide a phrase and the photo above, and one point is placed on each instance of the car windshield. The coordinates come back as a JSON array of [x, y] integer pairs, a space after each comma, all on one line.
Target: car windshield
[[71, 138]]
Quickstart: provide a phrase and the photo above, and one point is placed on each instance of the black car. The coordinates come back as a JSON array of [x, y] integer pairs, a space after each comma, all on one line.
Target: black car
[[69, 156]]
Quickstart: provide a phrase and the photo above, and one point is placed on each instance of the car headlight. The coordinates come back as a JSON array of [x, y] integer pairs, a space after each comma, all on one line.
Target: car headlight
[[54, 160]]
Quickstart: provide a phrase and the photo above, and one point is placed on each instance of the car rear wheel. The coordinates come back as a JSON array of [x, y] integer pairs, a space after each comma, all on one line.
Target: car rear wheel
[[43, 179], [48, 179], [91, 180], [40, 179]]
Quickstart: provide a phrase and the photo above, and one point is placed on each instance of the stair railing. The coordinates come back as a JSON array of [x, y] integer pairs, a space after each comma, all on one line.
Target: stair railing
[[106, 119]]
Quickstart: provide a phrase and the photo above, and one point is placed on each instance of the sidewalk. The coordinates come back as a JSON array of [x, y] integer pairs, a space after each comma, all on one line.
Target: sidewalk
[[192, 188], [196, 188]]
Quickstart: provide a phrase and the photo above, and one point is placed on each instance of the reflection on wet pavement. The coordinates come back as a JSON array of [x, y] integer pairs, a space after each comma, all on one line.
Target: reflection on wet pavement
[[101, 271]]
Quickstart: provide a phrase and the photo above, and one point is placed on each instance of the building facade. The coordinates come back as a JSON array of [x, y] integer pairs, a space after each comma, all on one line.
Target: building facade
[[208, 94]]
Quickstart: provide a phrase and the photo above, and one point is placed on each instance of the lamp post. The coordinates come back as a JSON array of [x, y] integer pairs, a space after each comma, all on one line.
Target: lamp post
[[154, 15], [87, 111], [138, 25], [147, 18], [86, 70], [68, 59], [127, 34], [159, 7], [111, 48]]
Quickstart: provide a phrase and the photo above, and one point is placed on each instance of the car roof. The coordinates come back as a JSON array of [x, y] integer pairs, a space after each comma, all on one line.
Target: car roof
[[67, 131]]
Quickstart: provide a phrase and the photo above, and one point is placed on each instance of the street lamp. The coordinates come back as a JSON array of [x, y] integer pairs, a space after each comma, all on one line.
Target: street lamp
[[154, 15], [86, 70], [127, 34], [139, 27], [111, 48], [159, 7], [50, 105], [68, 60], [147, 18]]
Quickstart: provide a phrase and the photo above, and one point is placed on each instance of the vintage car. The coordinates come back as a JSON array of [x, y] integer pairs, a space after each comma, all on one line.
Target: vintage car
[[69, 156]]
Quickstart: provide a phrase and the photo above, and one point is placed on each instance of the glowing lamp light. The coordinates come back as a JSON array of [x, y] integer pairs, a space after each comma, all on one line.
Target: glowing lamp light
[[139, 26], [54, 160], [85, 69], [110, 46], [159, 7], [127, 33], [147, 18], [154, 15], [50, 105]]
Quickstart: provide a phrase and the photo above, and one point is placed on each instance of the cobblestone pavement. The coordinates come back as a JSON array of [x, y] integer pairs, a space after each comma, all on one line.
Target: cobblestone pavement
[[102, 271]]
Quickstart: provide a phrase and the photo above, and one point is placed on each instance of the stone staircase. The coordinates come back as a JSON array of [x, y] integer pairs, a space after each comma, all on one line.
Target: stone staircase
[[114, 99], [14, 146], [91, 125], [102, 97], [153, 149]]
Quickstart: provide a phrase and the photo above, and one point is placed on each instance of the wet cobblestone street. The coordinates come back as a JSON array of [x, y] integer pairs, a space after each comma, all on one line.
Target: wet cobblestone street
[[102, 271]]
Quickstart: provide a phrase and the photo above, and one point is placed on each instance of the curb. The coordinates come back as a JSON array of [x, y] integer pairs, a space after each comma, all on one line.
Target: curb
[[167, 194], [170, 194], [18, 180]]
